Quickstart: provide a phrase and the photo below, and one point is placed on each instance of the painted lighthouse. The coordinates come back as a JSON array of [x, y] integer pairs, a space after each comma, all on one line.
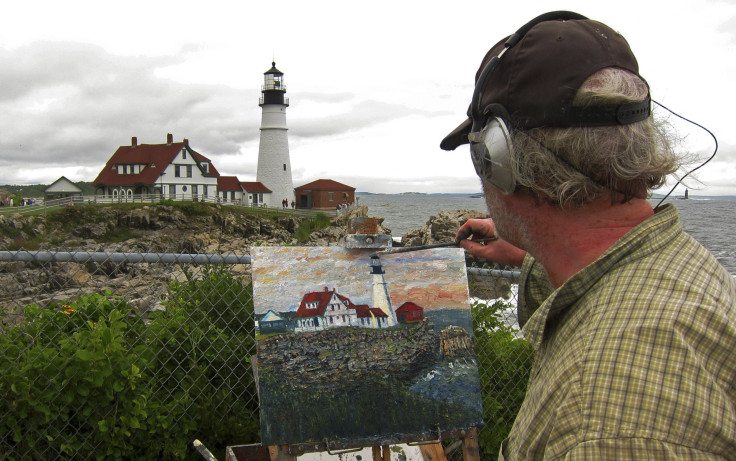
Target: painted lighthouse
[[274, 166], [381, 298]]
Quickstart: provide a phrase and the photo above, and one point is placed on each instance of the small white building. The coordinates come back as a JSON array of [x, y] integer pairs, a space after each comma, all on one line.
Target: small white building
[[62, 188]]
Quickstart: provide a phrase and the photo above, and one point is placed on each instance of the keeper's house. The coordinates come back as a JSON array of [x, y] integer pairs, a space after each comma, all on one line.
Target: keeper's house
[[324, 194], [169, 171]]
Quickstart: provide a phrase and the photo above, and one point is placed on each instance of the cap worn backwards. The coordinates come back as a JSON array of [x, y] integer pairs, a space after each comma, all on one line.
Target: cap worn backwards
[[537, 79]]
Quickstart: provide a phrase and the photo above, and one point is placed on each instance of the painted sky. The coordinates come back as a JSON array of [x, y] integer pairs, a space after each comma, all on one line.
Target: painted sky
[[430, 278], [373, 86]]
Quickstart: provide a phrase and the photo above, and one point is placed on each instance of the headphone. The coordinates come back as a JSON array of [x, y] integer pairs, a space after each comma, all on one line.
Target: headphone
[[490, 142]]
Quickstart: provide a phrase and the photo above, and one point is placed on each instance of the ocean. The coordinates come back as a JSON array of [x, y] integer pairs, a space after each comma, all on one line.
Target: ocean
[[708, 219]]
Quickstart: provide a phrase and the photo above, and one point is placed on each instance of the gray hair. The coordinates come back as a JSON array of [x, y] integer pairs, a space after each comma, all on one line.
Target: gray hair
[[569, 167]]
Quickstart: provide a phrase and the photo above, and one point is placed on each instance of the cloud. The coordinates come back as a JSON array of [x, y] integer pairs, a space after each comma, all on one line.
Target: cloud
[[74, 104]]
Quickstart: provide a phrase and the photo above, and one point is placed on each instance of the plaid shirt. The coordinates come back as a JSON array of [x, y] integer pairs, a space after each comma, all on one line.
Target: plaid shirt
[[635, 354]]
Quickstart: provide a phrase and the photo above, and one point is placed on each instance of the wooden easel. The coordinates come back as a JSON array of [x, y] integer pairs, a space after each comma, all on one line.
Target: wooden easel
[[430, 452]]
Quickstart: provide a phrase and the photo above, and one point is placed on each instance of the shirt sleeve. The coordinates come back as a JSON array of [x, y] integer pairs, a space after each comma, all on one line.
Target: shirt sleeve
[[534, 288]]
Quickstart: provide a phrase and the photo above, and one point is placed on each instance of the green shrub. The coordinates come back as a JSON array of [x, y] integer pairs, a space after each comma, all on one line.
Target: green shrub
[[91, 379], [71, 382], [504, 362]]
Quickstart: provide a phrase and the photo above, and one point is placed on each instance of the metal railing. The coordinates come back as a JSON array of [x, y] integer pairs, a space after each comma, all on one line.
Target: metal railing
[[134, 355], [44, 205]]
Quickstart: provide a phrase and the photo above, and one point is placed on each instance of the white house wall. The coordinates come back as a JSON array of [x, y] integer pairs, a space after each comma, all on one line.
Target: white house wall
[[183, 186]]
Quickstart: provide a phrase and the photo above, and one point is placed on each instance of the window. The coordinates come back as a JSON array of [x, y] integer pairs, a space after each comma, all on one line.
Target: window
[[284, 166], [184, 154], [330, 196], [206, 167], [183, 171], [184, 188], [172, 190]]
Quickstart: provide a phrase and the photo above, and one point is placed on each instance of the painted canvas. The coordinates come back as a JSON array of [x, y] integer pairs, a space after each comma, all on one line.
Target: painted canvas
[[362, 347]]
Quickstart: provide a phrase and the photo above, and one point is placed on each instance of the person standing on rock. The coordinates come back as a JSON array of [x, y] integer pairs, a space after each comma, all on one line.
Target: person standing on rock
[[633, 322]]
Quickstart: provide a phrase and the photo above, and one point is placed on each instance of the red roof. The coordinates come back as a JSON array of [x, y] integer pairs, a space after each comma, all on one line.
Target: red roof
[[323, 299], [325, 184], [408, 307], [228, 183], [365, 312], [155, 158], [254, 187]]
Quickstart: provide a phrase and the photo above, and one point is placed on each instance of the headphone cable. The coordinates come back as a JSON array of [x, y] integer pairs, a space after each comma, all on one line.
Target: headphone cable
[[697, 167]]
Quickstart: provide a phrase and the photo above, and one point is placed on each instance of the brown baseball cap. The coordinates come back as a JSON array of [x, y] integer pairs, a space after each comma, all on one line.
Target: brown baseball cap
[[537, 78]]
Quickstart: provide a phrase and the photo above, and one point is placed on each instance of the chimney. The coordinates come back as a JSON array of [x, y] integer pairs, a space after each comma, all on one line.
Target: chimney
[[133, 141], [186, 142], [169, 139]]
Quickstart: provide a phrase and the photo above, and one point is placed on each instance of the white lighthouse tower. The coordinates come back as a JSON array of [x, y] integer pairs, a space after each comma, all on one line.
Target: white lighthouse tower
[[274, 166], [381, 298]]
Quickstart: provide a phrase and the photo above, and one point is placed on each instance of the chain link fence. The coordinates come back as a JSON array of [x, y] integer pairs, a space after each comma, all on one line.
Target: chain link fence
[[135, 355]]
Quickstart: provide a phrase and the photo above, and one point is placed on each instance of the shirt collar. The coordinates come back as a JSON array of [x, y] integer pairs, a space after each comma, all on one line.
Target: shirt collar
[[646, 238]]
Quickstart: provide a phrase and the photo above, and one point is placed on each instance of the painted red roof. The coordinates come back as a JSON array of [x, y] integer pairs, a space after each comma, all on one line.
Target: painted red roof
[[409, 306], [365, 312], [254, 187], [323, 299], [325, 184], [155, 157], [228, 183]]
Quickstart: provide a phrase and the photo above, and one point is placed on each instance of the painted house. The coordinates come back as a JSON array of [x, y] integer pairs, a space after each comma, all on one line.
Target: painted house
[[171, 170], [324, 309], [324, 194], [371, 317], [409, 313], [272, 322]]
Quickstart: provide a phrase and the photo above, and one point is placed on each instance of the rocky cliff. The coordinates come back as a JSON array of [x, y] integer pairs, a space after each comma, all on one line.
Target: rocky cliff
[[160, 228]]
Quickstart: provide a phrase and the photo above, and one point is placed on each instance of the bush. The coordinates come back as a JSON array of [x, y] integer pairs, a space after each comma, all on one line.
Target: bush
[[91, 379], [504, 362]]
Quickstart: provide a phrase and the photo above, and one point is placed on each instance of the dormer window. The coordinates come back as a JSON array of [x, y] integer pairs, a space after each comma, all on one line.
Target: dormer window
[[206, 167]]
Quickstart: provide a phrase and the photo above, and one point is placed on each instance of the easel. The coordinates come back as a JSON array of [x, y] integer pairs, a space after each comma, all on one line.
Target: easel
[[430, 451], [363, 234]]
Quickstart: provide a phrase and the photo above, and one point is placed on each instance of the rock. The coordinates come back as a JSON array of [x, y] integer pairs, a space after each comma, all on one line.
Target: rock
[[440, 228]]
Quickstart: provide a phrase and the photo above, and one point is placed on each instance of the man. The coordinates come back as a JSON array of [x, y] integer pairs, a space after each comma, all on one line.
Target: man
[[632, 321]]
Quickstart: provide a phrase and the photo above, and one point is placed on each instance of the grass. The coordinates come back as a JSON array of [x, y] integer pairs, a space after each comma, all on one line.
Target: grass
[[63, 219], [309, 225]]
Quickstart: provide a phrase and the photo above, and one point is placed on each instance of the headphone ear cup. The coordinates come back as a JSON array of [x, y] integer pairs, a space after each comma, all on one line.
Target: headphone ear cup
[[499, 150]]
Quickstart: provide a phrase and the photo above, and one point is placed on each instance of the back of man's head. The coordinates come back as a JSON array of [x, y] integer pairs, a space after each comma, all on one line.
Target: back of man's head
[[576, 109]]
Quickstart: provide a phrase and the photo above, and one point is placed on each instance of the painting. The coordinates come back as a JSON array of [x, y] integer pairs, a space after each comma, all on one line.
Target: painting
[[359, 347]]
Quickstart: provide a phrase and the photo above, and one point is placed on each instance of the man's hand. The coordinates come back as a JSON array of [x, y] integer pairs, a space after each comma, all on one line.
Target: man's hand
[[497, 250]]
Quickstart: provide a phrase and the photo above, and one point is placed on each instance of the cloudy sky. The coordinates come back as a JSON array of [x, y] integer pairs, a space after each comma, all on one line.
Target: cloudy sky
[[373, 87], [431, 278]]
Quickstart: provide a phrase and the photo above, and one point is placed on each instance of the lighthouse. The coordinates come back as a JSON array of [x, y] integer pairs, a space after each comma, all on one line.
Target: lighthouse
[[274, 166], [381, 298]]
